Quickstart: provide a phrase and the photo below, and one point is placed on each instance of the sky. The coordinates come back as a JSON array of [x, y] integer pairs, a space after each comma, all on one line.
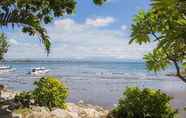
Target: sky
[[92, 32]]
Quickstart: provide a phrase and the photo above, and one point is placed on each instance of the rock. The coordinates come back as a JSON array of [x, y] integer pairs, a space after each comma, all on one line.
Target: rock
[[13, 105], [39, 109], [4, 113], [7, 94], [87, 111], [81, 102], [38, 112], [72, 111], [59, 113], [2, 87], [79, 110], [35, 114], [14, 115], [4, 107]]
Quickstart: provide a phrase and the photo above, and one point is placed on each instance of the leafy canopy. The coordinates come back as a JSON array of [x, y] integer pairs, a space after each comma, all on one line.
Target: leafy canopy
[[24, 99], [143, 103], [50, 92], [31, 15], [165, 24]]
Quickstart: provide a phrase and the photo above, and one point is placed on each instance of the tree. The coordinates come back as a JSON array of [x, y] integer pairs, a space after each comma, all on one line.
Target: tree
[[3, 45], [50, 92], [165, 24], [31, 15], [143, 103]]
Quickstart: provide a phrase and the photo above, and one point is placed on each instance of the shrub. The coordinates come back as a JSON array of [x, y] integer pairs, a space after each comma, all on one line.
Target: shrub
[[24, 98], [50, 92], [146, 103]]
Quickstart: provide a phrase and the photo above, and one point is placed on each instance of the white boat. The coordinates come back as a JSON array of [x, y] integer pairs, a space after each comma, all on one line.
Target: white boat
[[39, 71], [6, 69]]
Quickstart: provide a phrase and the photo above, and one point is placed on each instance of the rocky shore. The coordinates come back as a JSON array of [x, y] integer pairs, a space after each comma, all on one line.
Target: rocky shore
[[72, 111], [79, 110]]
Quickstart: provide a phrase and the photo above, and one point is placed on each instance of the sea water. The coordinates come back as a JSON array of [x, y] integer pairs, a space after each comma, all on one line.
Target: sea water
[[96, 82]]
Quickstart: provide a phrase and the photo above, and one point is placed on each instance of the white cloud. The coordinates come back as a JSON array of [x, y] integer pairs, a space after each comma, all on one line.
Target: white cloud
[[100, 22], [108, 1], [66, 23], [124, 27], [74, 40]]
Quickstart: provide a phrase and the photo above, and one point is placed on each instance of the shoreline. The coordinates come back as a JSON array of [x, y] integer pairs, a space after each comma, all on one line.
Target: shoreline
[[177, 102], [73, 110]]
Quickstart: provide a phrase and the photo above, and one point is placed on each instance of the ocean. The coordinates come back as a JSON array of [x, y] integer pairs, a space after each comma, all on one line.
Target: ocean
[[95, 82]]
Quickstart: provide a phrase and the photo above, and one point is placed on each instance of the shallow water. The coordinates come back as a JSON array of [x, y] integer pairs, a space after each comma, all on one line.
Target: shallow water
[[99, 83]]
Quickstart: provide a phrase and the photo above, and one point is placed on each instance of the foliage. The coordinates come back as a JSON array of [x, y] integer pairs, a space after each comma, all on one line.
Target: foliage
[[50, 92], [24, 98], [99, 2], [31, 15], [146, 103], [3, 45], [165, 25], [22, 110]]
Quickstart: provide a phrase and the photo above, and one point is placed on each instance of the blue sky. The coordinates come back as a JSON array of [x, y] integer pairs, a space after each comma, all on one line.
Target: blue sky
[[92, 32]]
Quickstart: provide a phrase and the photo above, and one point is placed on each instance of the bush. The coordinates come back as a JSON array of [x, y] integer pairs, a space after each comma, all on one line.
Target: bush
[[50, 92], [24, 99], [146, 103]]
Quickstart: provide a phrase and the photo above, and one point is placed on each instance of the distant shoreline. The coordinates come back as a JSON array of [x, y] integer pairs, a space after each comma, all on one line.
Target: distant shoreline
[[70, 60]]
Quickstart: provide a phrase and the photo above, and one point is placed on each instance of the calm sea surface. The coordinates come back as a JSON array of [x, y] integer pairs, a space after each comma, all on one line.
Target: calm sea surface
[[99, 83]]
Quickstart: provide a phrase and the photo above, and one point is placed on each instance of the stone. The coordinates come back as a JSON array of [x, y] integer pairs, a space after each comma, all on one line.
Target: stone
[[81, 102], [60, 113], [35, 114], [7, 94], [5, 113], [14, 115], [2, 87]]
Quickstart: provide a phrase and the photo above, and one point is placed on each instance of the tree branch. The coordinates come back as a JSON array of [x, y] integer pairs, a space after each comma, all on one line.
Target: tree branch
[[178, 71], [156, 37]]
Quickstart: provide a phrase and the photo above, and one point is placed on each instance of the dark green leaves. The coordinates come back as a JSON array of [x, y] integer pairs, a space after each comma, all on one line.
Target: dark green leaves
[[50, 92], [143, 103], [156, 60], [31, 15], [142, 27], [164, 23], [99, 2]]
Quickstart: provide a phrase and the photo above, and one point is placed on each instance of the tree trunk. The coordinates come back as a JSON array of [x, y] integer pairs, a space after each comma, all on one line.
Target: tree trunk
[[178, 71]]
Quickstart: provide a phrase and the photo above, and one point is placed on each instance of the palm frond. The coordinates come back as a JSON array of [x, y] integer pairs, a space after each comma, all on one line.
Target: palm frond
[[29, 23]]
